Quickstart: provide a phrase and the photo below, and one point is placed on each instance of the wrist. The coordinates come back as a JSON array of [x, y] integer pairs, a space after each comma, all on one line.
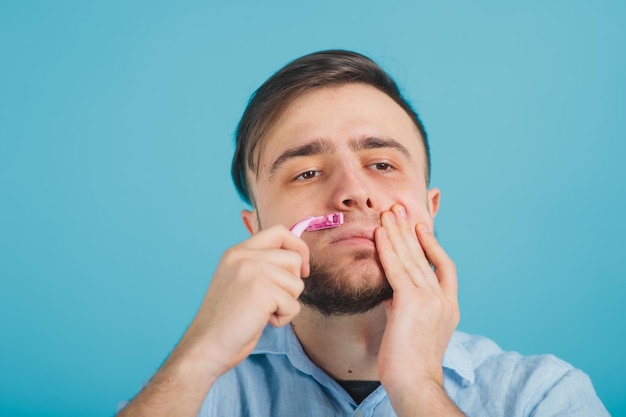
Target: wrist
[[423, 397], [178, 388], [191, 362]]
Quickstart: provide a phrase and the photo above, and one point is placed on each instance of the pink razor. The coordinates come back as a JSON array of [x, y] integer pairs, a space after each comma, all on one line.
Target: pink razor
[[317, 223]]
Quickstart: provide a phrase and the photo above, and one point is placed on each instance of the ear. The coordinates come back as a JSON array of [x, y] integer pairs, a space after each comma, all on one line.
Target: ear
[[249, 219], [433, 201]]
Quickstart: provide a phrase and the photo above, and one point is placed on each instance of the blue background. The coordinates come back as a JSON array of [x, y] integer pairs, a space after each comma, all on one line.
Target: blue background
[[116, 123]]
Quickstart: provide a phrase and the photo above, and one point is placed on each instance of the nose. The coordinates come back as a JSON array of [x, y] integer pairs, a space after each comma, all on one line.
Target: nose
[[352, 191]]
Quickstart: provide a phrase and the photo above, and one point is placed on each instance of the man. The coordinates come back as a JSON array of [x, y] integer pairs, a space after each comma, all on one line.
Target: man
[[361, 317]]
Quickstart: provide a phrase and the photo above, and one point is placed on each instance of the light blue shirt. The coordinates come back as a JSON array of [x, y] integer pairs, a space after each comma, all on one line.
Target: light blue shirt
[[279, 380]]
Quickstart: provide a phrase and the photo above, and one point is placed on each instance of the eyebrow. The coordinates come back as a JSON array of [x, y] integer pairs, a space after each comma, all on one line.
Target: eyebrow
[[372, 142], [322, 146], [316, 147]]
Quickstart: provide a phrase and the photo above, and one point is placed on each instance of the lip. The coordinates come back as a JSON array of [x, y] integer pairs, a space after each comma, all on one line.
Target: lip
[[354, 236]]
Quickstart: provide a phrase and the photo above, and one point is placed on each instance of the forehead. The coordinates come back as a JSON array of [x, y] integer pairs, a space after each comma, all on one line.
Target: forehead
[[339, 115]]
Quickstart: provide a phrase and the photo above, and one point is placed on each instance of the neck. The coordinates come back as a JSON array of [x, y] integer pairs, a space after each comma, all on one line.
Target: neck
[[345, 347]]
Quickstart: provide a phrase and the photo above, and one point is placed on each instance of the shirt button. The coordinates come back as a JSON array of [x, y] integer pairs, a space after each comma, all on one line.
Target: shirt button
[[358, 413]]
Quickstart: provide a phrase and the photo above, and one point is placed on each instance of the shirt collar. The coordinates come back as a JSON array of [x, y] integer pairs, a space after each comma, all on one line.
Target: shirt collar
[[457, 361], [283, 341]]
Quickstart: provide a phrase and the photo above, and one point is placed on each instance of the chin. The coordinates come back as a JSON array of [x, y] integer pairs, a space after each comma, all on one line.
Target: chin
[[354, 287], [360, 266]]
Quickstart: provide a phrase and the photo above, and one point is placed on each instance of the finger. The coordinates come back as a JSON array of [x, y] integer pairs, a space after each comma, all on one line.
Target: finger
[[279, 237], [253, 271], [278, 277], [410, 255], [394, 270], [445, 270], [272, 293], [407, 232], [288, 260], [414, 253], [389, 221], [286, 308]]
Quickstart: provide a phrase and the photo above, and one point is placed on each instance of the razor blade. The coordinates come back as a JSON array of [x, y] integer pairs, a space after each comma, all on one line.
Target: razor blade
[[310, 224]]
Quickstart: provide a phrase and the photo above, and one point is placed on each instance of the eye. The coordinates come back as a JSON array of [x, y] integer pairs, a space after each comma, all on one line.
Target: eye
[[382, 166], [307, 175]]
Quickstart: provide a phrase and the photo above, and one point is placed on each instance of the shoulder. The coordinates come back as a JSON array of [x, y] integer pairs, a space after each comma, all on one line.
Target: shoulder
[[486, 357], [518, 384]]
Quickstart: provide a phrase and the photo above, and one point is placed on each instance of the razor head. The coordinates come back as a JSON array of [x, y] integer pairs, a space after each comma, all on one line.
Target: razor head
[[310, 224]]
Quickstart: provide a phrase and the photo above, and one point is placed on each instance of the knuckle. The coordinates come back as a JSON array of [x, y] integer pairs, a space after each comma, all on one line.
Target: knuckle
[[231, 254], [294, 307], [452, 266], [256, 286], [246, 267], [297, 308], [299, 286], [295, 258]]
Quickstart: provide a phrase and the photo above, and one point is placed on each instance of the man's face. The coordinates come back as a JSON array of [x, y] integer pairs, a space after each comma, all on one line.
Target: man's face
[[348, 149]]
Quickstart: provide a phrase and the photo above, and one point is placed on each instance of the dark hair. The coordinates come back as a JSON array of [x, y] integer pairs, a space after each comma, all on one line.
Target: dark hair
[[316, 70]]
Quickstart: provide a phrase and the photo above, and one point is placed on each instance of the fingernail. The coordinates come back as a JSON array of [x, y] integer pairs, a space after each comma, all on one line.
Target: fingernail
[[392, 217], [401, 211], [424, 228]]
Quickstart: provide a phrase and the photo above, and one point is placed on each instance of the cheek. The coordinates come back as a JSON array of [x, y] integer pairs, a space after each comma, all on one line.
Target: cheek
[[282, 212], [417, 210]]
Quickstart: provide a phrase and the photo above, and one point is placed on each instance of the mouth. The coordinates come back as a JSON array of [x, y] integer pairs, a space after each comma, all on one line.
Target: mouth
[[356, 237]]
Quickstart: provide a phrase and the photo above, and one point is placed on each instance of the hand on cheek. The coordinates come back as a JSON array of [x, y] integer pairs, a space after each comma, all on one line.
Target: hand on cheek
[[423, 312], [400, 251]]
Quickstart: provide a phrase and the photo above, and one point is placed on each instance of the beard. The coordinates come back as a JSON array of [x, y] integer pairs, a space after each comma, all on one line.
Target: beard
[[355, 290]]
